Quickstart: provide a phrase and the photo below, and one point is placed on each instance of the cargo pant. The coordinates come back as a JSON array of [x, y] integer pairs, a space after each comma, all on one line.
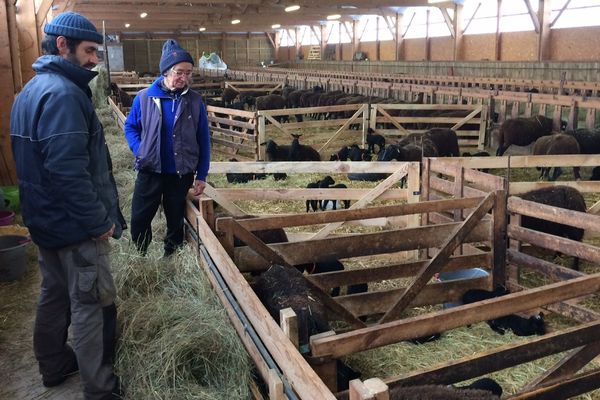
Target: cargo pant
[[78, 290]]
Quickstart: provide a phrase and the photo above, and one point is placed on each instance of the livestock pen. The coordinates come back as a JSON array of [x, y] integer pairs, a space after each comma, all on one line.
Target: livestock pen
[[461, 222]]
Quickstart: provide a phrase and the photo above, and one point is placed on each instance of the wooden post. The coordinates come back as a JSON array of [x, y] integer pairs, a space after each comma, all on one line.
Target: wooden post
[[289, 325], [371, 389], [414, 196], [573, 115], [499, 239], [544, 16], [325, 367], [399, 38], [8, 42], [275, 386], [28, 38], [262, 136], [458, 31], [498, 44]]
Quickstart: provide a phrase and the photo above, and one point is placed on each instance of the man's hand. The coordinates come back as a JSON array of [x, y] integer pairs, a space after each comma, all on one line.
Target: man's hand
[[106, 235], [198, 187]]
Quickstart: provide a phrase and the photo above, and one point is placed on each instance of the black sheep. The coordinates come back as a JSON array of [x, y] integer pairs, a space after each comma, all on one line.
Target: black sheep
[[522, 131], [475, 295], [557, 196], [374, 139], [323, 183], [301, 152], [520, 326], [242, 177], [345, 203], [275, 152], [595, 174], [228, 95], [558, 143], [358, 154], [437, 392], [341, 155], [487, 384], [445, 140]]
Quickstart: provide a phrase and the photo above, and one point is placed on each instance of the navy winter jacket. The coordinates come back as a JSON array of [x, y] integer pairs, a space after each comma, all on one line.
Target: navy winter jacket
[[189, 136], [68, 193]]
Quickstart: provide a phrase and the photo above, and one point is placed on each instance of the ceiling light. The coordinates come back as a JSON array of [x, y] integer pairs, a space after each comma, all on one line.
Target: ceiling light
[[202, 29], [235, 21], [333, 16], [276, 26], [143, 15], [295, 7], [127, 25]]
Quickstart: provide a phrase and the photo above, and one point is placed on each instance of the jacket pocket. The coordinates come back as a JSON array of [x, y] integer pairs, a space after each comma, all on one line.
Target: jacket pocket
[[87, 284]]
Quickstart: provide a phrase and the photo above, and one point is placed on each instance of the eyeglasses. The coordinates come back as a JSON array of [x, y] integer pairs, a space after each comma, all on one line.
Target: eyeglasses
[[187, 74]]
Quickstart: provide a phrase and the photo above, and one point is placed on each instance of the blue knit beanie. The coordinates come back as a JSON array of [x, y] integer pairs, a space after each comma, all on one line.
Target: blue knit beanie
[[73, 26], [173, 53]]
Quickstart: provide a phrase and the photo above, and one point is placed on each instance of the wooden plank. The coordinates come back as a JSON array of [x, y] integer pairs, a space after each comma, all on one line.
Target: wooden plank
[[499, 240], [354, 246], [231, 144], [553, 271], [379, 302], [555, 214], [29, 44], [343, 127], [223, 202], [297, 371], [394, 331], [569, 365], [284, 221], [230, 111], [328, 167], [394, 271], [275, 386], [565, 246], [437, 263], [502, 357], [565, 389], [307, 194], [372, 195]]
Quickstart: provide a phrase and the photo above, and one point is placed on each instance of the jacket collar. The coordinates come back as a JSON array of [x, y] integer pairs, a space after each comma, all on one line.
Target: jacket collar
[[156, 89], [59, 65]]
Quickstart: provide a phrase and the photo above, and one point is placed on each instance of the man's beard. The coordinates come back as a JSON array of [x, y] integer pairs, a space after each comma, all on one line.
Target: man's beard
[[73, 58]]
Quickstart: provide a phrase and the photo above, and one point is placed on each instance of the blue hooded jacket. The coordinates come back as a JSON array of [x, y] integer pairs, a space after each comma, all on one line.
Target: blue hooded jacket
[[67, 190], [169, 133]]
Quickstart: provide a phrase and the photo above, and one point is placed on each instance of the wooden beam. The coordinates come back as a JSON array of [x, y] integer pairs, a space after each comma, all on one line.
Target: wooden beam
[[398, 37], [472, 17], [369, 197], [394, 331], [458, 29], [448, 20], [42, 12], [308, 251], [543, 39], [565, 389], [439, 260], [564, 7], [534, 16], [295, 368], [498, 39], [29, 45]]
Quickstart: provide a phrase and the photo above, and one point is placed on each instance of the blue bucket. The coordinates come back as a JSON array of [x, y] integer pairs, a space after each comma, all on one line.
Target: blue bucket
[[470, 273]]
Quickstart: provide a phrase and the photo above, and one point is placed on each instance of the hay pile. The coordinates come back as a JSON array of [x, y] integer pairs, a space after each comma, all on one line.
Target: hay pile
[[176, 341]]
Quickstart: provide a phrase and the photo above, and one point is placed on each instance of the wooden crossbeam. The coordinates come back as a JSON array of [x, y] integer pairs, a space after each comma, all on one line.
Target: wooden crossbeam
[[468, 118], [369, 197], [441, 258], [344, 126]]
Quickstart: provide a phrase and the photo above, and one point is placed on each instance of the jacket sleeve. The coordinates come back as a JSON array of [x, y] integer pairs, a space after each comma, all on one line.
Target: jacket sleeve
[[133, 126], [65, 121], [203, 137]]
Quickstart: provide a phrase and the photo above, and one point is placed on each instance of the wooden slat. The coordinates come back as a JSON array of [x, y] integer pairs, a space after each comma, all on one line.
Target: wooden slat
[[391, 332], [329, 167], [439, 260], [354, 246]]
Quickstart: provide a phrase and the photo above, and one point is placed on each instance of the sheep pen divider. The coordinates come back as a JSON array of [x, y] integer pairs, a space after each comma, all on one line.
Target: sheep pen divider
[[447, 199]]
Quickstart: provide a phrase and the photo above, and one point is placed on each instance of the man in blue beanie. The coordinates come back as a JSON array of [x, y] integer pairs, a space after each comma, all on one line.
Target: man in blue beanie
[[70, 204], [167, 131]]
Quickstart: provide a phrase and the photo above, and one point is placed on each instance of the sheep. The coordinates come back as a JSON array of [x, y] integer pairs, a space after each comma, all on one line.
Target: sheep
[[358, 154], [332, 266], [522, 131], [487, 384], [558, 143], [445, 140], [375, 139], [436, 392], [557, 196], [323, 183], [595, 174], [301, 152], [272, 102], [341, 155], [229, 94], [589, 140], [519, 325], [275, 152], [345, 203], [242, 177], [477, 154]]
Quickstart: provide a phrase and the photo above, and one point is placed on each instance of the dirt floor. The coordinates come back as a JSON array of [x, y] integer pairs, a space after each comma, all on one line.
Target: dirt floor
[[18, 366]]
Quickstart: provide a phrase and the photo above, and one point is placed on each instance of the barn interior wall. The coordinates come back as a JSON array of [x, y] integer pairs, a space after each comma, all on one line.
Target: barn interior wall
[[143, 55], [575, 44]]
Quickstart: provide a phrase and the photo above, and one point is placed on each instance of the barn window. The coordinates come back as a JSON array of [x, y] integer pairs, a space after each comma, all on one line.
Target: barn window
[[577, 13]]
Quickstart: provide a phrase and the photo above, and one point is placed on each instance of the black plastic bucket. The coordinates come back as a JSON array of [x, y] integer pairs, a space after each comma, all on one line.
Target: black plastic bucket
[[13, 257]]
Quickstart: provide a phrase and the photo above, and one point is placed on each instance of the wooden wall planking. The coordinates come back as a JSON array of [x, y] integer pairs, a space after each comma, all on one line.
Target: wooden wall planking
[[7, 88]]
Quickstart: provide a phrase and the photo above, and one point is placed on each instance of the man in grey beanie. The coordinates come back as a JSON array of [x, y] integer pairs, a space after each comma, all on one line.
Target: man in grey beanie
[[167, 131], [70, 204]]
